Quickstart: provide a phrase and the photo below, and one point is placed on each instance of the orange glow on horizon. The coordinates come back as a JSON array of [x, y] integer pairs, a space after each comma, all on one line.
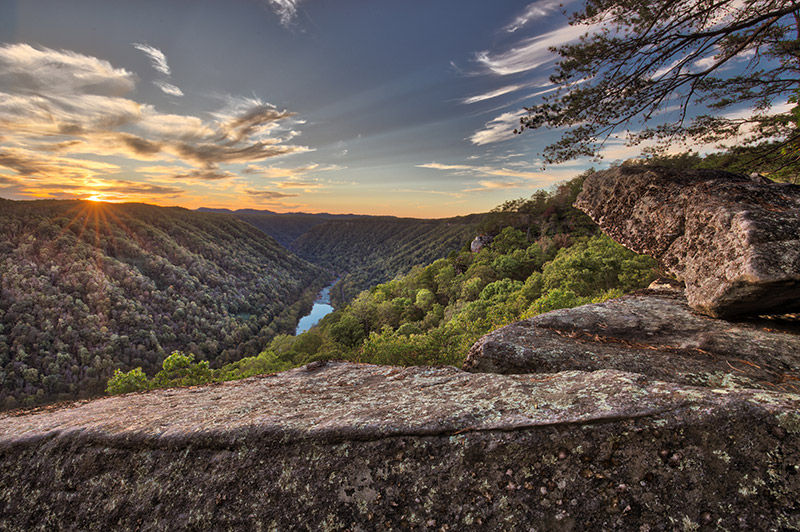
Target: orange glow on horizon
[[99, 197]]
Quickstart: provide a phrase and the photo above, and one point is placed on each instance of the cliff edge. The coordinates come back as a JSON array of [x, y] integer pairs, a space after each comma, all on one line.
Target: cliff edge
[[345, 446]]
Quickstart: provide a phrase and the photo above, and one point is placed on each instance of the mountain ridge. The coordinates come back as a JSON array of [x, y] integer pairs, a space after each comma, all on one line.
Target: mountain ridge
[[88, 287]]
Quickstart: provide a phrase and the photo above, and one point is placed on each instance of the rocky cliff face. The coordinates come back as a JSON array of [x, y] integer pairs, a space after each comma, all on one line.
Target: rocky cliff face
[[733, 240], [357, 447]]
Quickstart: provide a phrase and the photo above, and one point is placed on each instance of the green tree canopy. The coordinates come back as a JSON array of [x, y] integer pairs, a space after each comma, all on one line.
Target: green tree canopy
[[675, 65]]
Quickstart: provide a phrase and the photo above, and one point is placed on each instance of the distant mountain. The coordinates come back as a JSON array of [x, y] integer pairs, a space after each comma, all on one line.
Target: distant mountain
[[238, 211], [364, 250], [89, 287], [283, 227], [372, 250]]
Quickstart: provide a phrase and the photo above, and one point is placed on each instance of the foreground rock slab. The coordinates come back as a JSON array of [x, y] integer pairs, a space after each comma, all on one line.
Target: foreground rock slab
[[355, 447], [653, 333], [735, 242]]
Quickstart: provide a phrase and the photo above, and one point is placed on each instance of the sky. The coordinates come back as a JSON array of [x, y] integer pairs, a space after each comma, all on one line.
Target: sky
[[403, 108]]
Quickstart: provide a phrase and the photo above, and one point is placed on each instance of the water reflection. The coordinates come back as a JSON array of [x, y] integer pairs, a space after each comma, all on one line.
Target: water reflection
[[322, 307]]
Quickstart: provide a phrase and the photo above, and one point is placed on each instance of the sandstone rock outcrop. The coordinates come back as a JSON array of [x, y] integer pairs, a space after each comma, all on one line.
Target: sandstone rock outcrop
[[733, 240], [480, 242], [356, 447], [653, 333]]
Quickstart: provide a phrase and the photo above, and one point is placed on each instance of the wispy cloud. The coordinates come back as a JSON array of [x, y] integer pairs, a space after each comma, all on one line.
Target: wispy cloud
[[305, 185], [520, 179], [513, 173], [497, 129], [209, 174], [168, 88], [276, 172], [107, 189], [438, 166], [37, 165], [529, 53], [492, 94], [618, 147], [495, 185], [157, 58], [482, 170], [285, 9], [534, 11], [300, 177], [58, 103], [28, 69], [268, 194], [127, 188]]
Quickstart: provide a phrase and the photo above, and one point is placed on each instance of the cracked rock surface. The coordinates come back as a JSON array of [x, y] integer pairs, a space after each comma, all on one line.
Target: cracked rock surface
[[733, 240], [343, 446], [653, 333]]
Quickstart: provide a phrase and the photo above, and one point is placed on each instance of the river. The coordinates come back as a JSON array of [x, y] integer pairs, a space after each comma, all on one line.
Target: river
[[322, 307]]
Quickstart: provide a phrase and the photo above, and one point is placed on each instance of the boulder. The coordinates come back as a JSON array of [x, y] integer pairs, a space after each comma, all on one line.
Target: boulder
[[733, 240], [653, 333], [480, 242], [342, 446]]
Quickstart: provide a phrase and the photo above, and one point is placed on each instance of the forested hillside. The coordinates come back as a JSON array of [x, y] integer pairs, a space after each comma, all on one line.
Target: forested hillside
[[372, 250], [545, 255], [89, 287], [283, 227]]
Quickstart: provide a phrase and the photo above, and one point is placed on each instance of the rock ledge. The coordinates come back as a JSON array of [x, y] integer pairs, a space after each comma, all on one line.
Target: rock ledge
[[357, 447], [734, 241]]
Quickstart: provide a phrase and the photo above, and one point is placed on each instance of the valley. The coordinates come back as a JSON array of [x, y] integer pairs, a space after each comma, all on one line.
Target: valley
[[91, 287]]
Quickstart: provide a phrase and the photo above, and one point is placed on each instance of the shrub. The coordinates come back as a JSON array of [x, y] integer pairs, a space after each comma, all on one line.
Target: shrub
[[181, 370], [133, 381]]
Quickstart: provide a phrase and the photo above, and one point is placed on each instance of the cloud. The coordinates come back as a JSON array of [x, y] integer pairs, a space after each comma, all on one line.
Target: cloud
[[259, 119], [8, 180], [300, 184], [513, 173], [183, 127], [285, 9], [497, 129], [113, 189], [530, 178], [161, 170], [274, 172], [58, 103], [127, 188], [31, 70], [492, 94], [157, 58], [210, 153], [530, 53], [484, 170], [438, 166], [268, 194], [168, 88], [534, 11], [211, 174], [495, 185], [38, 166]]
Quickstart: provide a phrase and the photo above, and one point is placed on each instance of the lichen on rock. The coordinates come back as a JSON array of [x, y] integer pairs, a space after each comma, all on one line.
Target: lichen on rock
[[653, 333], [356, 447]]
